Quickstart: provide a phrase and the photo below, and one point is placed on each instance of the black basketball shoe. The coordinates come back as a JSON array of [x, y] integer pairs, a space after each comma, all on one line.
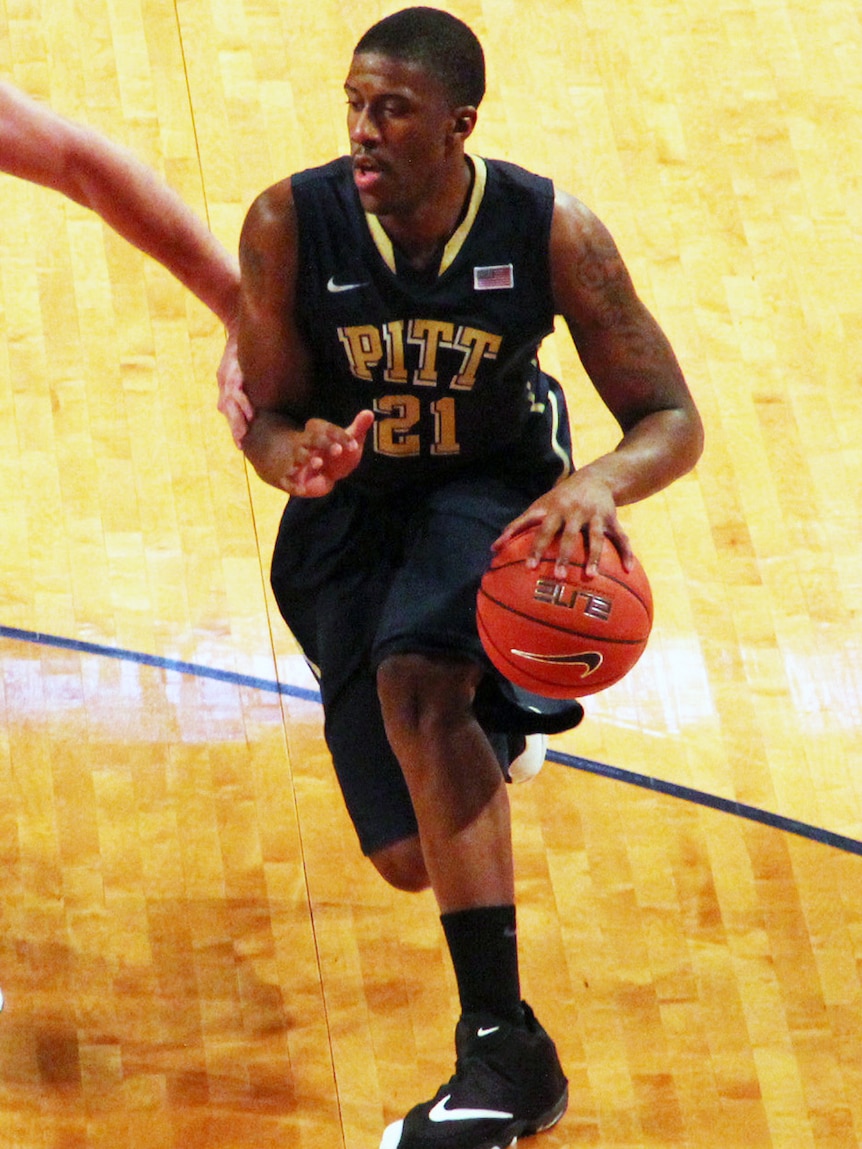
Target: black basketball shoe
[[508, 1083]]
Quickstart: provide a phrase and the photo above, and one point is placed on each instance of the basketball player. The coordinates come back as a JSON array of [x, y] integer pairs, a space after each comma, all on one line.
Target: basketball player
[[391, 308], [38, 145]]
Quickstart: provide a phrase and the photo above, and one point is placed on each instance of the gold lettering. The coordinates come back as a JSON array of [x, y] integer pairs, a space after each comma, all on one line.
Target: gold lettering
[[445, 439], [365, 345], [476, 346], [393, 337], [429, 335], [392, 434], [364, 349]]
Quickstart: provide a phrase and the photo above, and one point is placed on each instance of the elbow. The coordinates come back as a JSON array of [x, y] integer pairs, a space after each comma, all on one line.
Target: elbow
[[674, 433], [683, 437], [76, 165]]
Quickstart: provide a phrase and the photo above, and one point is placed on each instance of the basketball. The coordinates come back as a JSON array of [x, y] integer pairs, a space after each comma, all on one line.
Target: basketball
[[562, 638]]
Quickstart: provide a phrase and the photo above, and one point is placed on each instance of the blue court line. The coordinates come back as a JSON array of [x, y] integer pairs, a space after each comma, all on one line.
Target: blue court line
[[193, 668], [644, 781], [700, 798]]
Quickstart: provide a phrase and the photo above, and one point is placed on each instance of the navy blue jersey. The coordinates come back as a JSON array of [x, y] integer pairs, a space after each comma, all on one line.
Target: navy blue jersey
[[447, 363]]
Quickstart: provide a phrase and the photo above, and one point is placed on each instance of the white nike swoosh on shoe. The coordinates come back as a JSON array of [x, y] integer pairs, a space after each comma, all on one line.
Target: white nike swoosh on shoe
[[336, 287], [441, 1113]]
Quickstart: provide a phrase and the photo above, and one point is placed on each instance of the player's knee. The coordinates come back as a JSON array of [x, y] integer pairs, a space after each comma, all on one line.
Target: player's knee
[[419, 692], [402, 865]]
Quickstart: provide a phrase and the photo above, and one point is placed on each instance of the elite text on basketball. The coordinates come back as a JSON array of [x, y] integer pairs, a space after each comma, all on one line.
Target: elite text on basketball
[[563, 594]]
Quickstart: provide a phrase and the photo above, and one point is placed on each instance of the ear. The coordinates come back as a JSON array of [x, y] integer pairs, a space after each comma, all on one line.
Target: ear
[[464, 120]]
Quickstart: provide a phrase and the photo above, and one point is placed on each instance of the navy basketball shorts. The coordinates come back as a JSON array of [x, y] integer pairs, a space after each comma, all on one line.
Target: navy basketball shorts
[[359, 577]]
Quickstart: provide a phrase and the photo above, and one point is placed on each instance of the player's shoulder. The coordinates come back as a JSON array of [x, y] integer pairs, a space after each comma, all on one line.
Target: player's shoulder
[[275, 205], [587, 268], [570, 207], [271, 205], [576, 226], [268, 236]]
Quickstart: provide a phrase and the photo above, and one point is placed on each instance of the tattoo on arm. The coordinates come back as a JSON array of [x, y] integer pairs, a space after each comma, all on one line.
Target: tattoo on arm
[[604, 283]]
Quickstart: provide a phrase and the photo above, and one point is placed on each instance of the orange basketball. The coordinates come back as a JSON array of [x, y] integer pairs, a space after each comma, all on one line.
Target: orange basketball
[[562, 638]]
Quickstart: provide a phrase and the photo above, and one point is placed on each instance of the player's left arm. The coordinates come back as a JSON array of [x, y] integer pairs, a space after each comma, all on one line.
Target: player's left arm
[[635, 371]]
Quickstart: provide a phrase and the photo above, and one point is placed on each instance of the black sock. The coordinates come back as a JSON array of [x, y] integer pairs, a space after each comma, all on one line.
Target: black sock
[[483, 943]]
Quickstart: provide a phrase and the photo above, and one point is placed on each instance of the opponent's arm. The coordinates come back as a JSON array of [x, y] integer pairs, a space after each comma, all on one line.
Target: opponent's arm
[[38, 145], [633, 367], [287, 447]]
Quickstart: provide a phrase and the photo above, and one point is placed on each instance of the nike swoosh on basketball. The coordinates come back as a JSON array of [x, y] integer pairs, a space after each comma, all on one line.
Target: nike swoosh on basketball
[[591, 659], [336, 287], [441, 1113]]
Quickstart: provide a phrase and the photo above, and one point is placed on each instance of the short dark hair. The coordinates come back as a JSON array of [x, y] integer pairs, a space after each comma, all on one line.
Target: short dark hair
[[440, 42]]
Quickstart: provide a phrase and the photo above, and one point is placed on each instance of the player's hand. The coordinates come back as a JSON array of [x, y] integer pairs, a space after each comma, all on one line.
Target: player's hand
[[233, 402], [579, 504], [323, 453]]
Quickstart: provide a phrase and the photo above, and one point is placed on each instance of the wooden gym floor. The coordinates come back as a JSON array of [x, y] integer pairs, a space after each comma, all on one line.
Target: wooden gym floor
[[192, 950]]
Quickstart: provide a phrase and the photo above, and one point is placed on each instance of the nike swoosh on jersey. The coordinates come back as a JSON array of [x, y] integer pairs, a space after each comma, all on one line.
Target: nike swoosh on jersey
[[441, 1113], [336, 287], [485, 1031], [591, 659]]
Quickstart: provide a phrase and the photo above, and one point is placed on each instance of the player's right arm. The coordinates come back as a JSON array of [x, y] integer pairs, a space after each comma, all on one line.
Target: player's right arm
[[287, 446]]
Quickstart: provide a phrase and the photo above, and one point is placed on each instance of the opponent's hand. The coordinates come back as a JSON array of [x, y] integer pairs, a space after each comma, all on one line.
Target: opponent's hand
[[579, 504], [323, 453], [233, 402]]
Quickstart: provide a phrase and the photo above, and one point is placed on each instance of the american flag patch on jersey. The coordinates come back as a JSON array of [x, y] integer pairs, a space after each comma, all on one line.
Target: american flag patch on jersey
[[499, 278]]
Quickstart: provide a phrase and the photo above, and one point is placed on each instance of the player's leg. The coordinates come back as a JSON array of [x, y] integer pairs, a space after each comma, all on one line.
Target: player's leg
[[509, 1080], [329, 579], [431, 671], [402, 865], [372, 784], [454, 778]]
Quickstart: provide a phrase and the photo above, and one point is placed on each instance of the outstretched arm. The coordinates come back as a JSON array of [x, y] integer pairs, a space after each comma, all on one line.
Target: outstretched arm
[[632, 366], [38, 145]]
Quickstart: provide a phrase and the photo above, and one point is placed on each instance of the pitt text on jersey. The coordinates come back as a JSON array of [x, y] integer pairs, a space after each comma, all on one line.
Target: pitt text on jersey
[[417, 353]]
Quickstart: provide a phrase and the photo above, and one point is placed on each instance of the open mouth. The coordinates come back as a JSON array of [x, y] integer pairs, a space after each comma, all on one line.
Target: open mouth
[[367, 172]]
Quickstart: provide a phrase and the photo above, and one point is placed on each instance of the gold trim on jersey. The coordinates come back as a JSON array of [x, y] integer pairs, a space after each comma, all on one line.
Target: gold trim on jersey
[[455, 241]]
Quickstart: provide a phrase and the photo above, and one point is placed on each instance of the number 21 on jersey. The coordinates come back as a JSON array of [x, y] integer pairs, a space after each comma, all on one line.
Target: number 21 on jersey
[[427, 343]]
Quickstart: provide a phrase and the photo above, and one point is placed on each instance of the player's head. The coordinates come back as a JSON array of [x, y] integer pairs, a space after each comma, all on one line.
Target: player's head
[[442, 44], [414, 82]]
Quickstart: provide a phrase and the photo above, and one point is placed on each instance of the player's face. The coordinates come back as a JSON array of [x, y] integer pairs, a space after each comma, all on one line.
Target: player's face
[[402, 133]]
